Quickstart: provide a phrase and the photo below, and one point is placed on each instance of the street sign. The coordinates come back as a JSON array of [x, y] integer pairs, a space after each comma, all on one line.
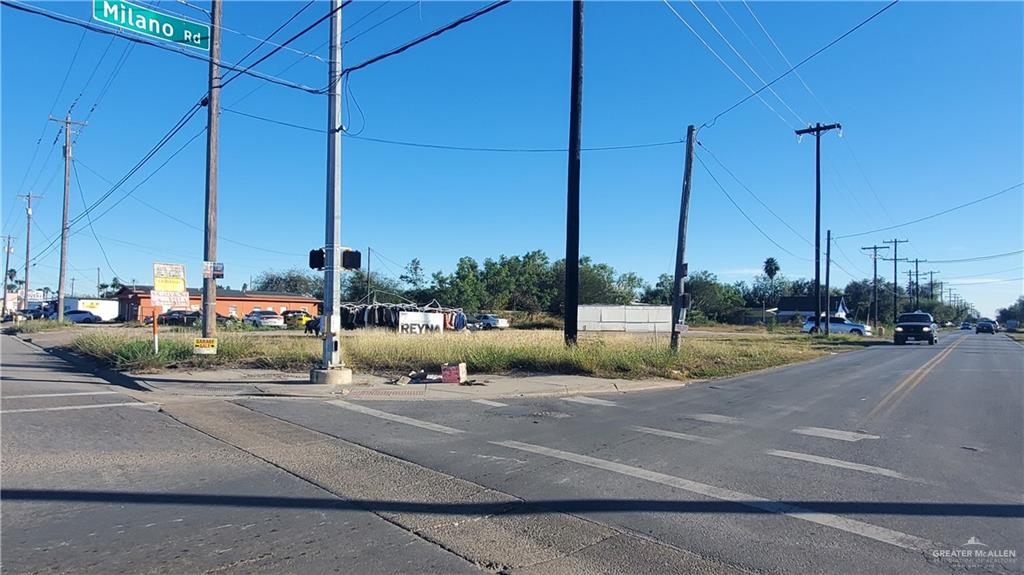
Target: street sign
[[143, 20], [213, 270], [204, 346]]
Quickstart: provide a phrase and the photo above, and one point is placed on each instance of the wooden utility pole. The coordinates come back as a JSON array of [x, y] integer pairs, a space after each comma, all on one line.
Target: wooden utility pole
[[874, 279], [572, 215], [817, 130], [917, 283], [8, 248], [678, 297], [64, 225], [212, 137], [895, 275], [931, 284], [28, 239], [828, 283]]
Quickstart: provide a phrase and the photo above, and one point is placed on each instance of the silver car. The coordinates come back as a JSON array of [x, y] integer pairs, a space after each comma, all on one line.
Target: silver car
[[838, 325]]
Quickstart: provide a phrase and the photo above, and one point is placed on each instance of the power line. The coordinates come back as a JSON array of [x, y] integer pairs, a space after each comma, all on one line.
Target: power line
[[711, 122], [156, 44], [451, 147], [737, 206], [726, 64], [976, 259], [382, 22], [81, 194], [935, 215]]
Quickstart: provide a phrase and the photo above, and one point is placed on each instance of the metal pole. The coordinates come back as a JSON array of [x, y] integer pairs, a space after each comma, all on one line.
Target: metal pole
[[678, 314], [572, 216], [7, 266], [212, 137], [332, 248], [369, 284], [828, 285]]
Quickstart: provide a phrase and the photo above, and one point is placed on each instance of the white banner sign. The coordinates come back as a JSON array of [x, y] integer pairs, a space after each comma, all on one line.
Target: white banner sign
[[420, 322], [169, 299]]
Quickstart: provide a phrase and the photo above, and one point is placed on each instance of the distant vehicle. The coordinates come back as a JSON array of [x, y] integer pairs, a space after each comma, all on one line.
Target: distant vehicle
[[985, 327], [264, 318], [491, 321], [947, 323], [1013, 324], [966, 325], [917, 326], [296, 318], [180, 317], [78, 316], [35, 313], [838, 325]]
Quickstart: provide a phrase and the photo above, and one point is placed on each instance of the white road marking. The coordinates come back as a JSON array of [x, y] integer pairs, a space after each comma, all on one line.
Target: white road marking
[[714, 418], [396, 418], [93, 406], [57, 394], [590, 401], [843, 464], [675, 434], [855, 527], [833, 433], [489, 402]]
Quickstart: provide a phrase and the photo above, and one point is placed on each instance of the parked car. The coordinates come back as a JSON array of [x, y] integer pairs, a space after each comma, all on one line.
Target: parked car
[[78, 316], [491, 321], [985, 327], [966, 325], [838, 325], [296, 318], [917, 326], [180, 317], [265, 318]]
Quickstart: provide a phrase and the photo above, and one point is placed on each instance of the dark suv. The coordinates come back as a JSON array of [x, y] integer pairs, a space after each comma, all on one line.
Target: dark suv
[[917, 326], [985, 326]]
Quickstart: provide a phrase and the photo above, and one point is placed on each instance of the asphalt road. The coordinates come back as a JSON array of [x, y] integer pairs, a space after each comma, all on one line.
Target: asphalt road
[[887, 460]]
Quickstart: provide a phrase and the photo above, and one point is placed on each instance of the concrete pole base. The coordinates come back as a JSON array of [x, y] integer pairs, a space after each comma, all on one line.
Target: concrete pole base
[[336, 376]]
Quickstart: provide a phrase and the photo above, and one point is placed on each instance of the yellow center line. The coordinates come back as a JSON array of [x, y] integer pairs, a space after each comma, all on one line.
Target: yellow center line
[[901, 390]]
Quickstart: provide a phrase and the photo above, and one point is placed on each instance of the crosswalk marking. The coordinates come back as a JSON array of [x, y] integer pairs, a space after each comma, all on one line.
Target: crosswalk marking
[[713, 418], [68, 394], [834, 433], [842, 464], [489, 402], [675, 435], [91, 406], [590, 401], [396, 418]]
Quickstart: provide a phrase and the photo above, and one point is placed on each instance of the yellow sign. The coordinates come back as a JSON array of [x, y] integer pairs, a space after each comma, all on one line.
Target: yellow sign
[[168, 277], [169, 284], [204, 346]]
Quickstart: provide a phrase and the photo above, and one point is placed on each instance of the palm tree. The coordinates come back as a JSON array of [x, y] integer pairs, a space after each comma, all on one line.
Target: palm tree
[[771, 267]]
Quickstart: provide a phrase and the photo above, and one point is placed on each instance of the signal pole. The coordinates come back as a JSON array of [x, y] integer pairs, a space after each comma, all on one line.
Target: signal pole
[[212, 138], [678, 298], [874, 280], [64, 225], [817, 130], [572, 216], [8, 248], [895, 275], [332, 368], [28, 238]]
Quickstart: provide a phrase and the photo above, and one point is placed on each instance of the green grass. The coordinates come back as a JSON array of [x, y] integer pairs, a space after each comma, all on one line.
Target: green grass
[[500, 352], [37, 325]]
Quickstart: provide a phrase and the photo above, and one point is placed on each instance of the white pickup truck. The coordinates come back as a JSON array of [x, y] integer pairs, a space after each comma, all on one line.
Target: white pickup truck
[[491, 321], [838, 325]]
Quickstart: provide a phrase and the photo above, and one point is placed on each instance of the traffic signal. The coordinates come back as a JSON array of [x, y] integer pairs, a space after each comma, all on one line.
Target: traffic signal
[[350, 259], [317, 259]]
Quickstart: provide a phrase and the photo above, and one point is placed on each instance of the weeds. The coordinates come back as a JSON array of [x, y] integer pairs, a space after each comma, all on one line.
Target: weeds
[[37, 325]]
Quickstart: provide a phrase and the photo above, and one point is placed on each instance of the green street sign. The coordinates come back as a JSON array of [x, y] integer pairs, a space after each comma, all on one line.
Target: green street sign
[[152, 23]]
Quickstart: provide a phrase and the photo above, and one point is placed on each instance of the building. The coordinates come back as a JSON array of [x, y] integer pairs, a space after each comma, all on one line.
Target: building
[[134, 303]]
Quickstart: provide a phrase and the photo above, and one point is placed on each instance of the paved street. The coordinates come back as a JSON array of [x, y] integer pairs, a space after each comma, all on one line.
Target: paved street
[[886, 460]]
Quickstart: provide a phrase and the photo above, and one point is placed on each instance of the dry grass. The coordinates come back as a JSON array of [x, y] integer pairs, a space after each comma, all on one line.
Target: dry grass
[[37, 325], [605, 355]]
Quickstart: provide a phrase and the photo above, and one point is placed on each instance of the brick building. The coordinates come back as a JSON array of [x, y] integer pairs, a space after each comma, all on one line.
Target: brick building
[[134, 303]]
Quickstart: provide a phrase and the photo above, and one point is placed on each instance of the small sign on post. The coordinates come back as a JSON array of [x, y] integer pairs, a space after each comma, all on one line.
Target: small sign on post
[[213, 270], [204, 346]]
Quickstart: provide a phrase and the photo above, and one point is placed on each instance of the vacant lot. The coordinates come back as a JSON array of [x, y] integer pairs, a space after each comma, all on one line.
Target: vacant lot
[[605, 355]]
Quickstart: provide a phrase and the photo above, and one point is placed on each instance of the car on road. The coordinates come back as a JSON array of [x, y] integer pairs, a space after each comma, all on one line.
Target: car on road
[[985, 327], [78, 316], [916, 326], [265, 318], [491, 321], [838, 325], [180, 317], [296, 318], [966, 325]]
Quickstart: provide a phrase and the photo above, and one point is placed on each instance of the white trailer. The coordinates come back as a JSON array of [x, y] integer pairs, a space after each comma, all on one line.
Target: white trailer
[[107, 309]]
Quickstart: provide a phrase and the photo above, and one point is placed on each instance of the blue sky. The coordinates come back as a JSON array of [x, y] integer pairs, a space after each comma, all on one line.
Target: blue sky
[[929, 94]]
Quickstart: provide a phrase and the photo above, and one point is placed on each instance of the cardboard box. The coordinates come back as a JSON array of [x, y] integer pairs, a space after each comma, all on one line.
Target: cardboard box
[[453, 373]]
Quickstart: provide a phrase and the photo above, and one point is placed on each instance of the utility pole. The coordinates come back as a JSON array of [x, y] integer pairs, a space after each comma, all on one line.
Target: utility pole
[[931, 284], [911, 288], [828, 287], [97, 283], [917, 283], [64, 225], [8, 248], [572, 215], [678, 298], [369, 283], [212, 137], [895, 275], [874, 281], [332, 369], [28, 238], [817, 130], [72, 295]]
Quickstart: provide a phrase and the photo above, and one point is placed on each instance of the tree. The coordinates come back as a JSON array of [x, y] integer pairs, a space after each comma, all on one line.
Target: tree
[[1014, 311], [771, 267], [631, 287], [293, 281], [110, 289], [464, 288], [711, 299], [661, 292], [413, 276]]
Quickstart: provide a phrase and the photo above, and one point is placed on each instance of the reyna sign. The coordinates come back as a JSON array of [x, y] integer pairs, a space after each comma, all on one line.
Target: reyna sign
[[420, 322]]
